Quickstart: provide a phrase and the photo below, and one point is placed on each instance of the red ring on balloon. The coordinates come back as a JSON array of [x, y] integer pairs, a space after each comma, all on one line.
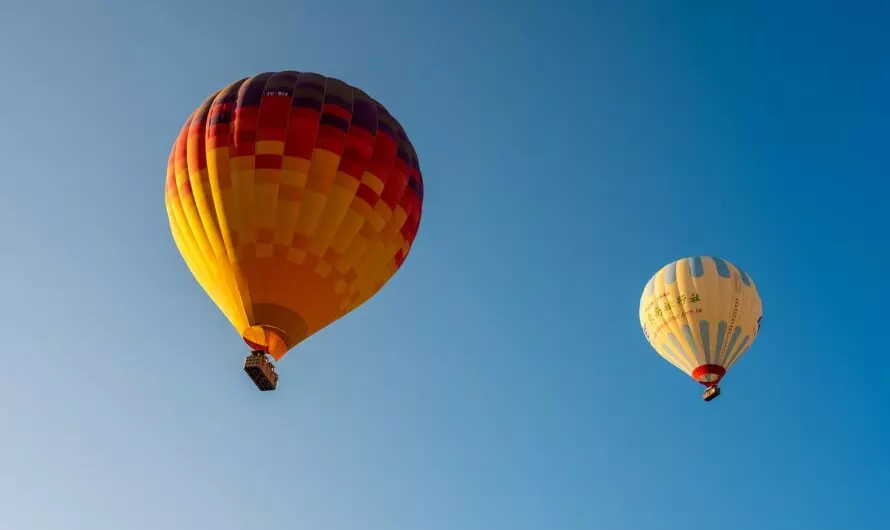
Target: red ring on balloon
[[709, 369]]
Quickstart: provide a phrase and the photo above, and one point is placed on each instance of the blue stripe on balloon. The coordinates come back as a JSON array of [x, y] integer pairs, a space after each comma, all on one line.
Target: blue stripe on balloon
[[721, 336], [745, 277], [705, 328], [722, 267], [693, 346], [671, 354], [729, 349], [670, 273], [696, 267], [741, 349], [677, 343]]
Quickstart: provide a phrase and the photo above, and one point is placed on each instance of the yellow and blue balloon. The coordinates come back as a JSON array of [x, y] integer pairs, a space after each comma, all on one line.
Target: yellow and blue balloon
[[701, 314]]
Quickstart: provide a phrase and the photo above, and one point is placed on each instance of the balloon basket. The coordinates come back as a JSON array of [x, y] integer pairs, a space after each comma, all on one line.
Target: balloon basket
[[711, 393], [261, 371]]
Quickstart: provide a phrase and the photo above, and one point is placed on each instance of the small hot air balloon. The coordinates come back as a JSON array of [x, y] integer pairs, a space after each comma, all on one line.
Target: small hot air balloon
[[701, 314], [293, 198]]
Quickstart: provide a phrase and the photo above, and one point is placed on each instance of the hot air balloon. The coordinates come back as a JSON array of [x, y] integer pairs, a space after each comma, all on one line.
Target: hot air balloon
[[293, 198], [701, 314]]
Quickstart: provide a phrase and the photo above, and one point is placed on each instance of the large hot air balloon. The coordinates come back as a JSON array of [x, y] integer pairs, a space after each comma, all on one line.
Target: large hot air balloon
[[293, 198], [701, 314]]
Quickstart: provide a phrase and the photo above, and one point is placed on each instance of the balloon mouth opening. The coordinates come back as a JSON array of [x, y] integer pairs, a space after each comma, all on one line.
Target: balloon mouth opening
[[268, 339], [709, 375]]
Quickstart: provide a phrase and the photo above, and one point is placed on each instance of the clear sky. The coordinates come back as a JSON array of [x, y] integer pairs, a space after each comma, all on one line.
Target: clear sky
[[501, 380]]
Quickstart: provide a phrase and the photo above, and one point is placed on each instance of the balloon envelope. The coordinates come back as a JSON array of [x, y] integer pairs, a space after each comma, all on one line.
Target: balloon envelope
[[293, 198], [701, 314]]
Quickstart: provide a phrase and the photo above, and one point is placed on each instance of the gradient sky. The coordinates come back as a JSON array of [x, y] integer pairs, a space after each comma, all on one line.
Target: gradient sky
[[501, 380]]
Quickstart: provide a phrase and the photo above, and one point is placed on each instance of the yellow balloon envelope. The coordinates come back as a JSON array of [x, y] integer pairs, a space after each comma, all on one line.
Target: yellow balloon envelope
[[293, 198], [701, 314]]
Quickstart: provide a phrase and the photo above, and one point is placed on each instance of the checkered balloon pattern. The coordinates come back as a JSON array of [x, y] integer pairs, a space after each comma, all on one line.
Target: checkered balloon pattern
[[293, 198]]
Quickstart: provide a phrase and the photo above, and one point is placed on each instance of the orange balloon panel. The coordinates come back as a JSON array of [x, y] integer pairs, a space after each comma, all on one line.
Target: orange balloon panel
[[293, 199]]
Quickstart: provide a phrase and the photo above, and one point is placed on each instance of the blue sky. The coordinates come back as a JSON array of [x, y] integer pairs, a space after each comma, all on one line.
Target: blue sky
[[501, 379]]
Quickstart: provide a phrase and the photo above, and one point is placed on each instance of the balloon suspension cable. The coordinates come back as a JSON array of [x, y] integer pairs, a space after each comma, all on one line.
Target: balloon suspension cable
[[261, 370]]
